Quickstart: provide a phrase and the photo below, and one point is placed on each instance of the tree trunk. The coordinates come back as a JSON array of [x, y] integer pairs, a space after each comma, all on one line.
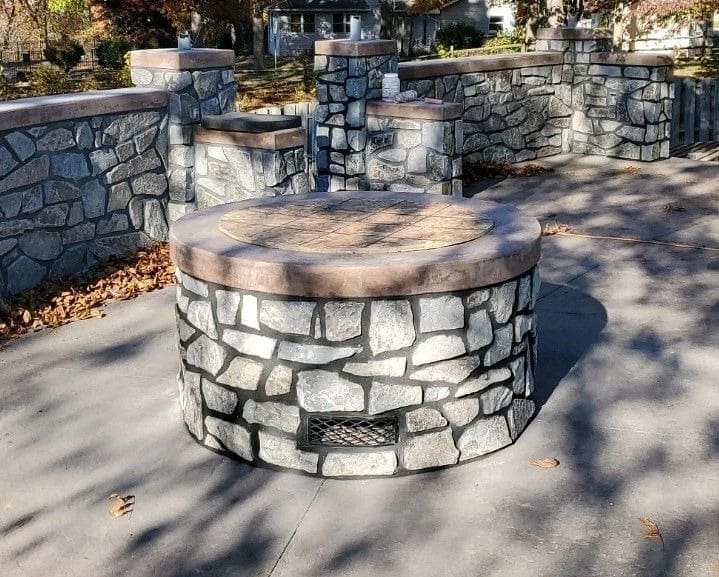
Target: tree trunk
[[258, 38]]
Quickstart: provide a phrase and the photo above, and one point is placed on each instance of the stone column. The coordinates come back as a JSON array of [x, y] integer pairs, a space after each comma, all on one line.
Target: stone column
[[200, 82], [348, 74]]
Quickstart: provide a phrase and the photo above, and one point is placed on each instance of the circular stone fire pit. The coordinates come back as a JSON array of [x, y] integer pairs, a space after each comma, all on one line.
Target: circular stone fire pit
[[357, 334]]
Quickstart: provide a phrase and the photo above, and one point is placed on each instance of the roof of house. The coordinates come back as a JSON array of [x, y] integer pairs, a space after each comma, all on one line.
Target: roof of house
[[320, 6]]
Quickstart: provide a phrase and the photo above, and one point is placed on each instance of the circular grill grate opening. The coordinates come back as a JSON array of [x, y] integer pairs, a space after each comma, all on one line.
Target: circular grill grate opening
[[340, 431]]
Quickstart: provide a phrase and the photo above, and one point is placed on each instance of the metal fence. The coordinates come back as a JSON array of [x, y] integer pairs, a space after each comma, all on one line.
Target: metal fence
[[23, 57], [695, 111]]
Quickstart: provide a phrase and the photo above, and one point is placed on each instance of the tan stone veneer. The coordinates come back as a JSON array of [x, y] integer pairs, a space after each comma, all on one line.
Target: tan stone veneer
[[275, 140], [173, 59], [419, 110]]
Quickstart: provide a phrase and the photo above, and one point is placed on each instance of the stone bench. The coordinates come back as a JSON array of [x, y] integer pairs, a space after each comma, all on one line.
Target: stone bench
[[241, 155]]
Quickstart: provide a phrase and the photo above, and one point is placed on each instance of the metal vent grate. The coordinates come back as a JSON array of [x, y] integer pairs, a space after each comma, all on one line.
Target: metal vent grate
[[339, 431]]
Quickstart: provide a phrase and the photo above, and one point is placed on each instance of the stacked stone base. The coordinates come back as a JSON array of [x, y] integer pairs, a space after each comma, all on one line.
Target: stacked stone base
[[454, 371]]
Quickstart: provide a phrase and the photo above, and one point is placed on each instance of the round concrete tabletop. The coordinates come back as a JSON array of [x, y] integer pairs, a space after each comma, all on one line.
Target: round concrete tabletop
[[356, 244]]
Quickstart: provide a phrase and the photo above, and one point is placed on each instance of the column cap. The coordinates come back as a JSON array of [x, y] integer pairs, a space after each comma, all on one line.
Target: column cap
[[355, 47], [174, 59], [574, 33]]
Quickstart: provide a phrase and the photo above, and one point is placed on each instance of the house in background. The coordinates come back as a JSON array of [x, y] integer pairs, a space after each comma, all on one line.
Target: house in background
[[294, 25]]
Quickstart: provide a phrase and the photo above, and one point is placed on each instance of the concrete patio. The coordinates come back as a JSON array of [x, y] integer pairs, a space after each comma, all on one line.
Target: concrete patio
[[627, 382]]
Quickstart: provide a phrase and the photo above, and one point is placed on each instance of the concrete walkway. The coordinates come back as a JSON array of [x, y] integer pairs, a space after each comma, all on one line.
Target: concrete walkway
[[629, 358]]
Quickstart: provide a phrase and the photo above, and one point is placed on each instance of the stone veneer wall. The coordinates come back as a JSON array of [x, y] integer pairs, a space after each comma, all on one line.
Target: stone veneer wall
[[408, 153], [200, 82], [81, 189], [229, 173], [573, 97], [455, 368], [348, 74]]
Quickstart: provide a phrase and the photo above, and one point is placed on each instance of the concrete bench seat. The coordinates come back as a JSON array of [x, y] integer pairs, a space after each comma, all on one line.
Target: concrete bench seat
[[248, 122]]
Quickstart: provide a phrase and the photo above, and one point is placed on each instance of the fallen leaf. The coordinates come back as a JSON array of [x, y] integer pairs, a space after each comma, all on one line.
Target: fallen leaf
[[545, 463], [123, 505], [716, 566], [550, 229], [673, 208], [631, 169], [652, 530]]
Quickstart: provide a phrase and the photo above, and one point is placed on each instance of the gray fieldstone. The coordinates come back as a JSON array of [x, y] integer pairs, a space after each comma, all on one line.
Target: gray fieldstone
[[207, 83], [13, 227], [242, 374], [206, 354], [59, 191], [21, 145], [524, 292], [283, 452], [501, 347], [392, 367], [218, 398], [292, 317], [32, 201], [249, 344], [391, 326], [440, 313], [454, 371], [484, 436], [116, 223], [279, 381], [24, 274], [314, 354], [83, 136], [79, 233], [33, 171], [227, 305], [41, 245], [428, 450], [188, 384], [10, 205], [385, 397], [136, 211], [93, 199], [518, 416], [523, 324], [248, 315], [343, 320], [185, 331], [55, 215], [127, 125], [501, 302], [482, 381], [495, 399], [144, 140], [72, 260], [70, 165], [283, 417], [199, 314], [154, 220], [461, 412], [519, 385], [325, 391], [212, 443], [151, 184], [438, 348], [183, 302], [102, 160], [346, 464], [234, 437], [435, 393], [423, 419], [479, 330], [120, 196], [56, 140]]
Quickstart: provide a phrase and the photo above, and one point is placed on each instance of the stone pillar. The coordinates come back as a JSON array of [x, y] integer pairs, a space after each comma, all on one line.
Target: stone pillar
[[621, 103], [348, 74], [200, 82], [415, 147]]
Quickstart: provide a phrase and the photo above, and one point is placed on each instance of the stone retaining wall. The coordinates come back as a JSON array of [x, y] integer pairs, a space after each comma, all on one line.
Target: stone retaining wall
[[455, 370], [80, 189]]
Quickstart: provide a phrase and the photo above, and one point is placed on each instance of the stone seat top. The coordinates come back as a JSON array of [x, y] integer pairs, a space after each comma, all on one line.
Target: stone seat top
[[356, 244], [248, 122]]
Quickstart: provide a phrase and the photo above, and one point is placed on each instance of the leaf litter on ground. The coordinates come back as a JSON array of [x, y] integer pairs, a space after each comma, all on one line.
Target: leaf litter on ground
[[122, 505], [545, 463]]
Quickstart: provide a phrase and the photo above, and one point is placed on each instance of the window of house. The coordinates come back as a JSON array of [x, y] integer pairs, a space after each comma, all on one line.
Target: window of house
[[496, 23], [302, 23], [341, 23]]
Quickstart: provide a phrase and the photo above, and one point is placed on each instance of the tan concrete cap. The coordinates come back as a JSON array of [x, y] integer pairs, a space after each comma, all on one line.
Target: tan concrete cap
[[355, 47], [574, 34], [419, 69], [511, 248], [419, 109], [275, 140], [632, 58], [174, 59], [44, 109]]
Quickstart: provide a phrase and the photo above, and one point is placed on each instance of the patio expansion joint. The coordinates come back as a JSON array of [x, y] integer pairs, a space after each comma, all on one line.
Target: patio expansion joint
[[299, 523]]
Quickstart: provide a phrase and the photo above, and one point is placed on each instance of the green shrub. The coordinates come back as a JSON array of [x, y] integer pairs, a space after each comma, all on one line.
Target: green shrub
[[111, 52], [65, 53], [50, 80], [458, 35]]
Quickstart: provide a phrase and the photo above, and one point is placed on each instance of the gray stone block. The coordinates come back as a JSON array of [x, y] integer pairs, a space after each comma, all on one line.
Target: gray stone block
[[482, 381], [218, 398], [249, 344], [440, 313], [41, 244], [33, 171], [518, 416], [438, 348], [346, 464], [435, 393], [283, 452], [495, 399], [206, 354], [227, 305], [343, 320], [242, 373], [392, 367], [22, 146], [80, 233], [150, 183], [128, 125], [428, 450], [453, 371], [391, 326], [283, 417], [484, 436], [325, 391], [385, 397], [116, 223], [501, 347], [234, 437], [424, 419], [314, 354], [279, 381], [24, 274], [460, 413], [191, 401], [199, 314]]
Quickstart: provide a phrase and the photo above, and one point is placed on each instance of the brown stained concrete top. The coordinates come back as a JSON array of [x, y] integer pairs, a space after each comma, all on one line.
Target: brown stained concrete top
[[419, 69], [355, 47], [419, 109], [173, 59], [632, 58], [275, 140], [511, 247], [45, 109], [573, 33]]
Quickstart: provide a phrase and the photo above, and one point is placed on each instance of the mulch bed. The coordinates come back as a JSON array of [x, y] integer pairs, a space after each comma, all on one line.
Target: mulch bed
[[60, 301], [483, 170]]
